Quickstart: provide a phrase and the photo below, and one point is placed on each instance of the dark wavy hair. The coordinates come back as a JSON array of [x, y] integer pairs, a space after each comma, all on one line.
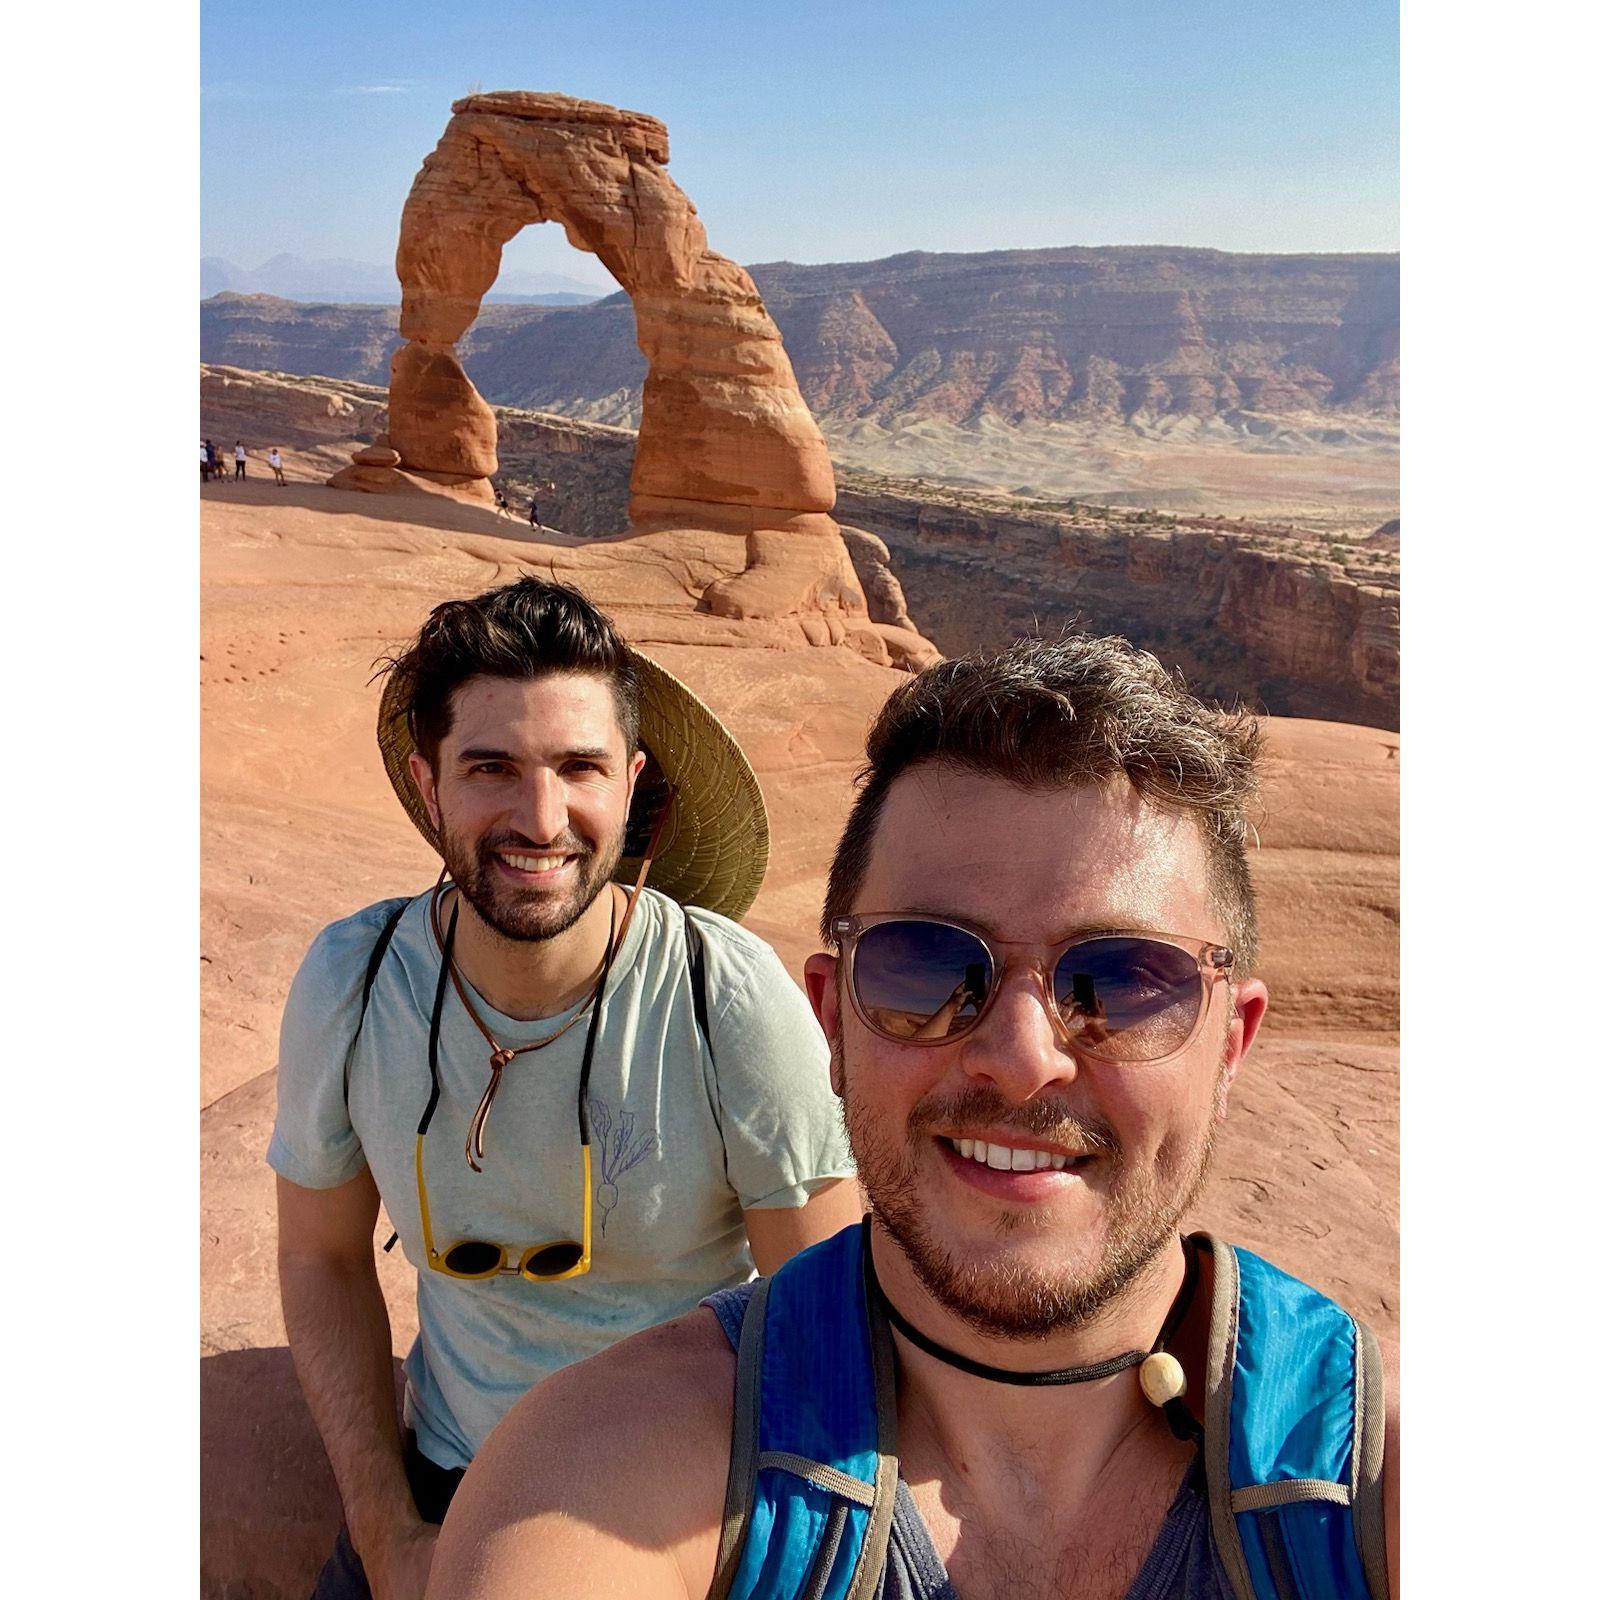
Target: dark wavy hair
[[1080, 710], [532, 628]]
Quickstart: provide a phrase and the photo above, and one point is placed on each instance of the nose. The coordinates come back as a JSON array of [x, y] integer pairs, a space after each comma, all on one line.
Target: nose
[[1016, 1047], [541, 808]]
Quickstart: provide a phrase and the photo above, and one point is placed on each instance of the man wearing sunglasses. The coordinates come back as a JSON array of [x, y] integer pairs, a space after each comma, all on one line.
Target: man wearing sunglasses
[[1018, 1377], [582, 1105]]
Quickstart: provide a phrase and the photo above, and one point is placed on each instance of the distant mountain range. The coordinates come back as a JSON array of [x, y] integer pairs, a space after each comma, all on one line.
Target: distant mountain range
[[338, 281], [1010, 337]]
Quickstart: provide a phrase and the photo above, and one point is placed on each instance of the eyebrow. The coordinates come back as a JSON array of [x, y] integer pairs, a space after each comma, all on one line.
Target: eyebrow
[[486, 753]]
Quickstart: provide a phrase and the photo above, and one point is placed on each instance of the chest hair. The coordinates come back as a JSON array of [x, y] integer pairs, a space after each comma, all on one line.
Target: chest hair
[[1032, 1548]]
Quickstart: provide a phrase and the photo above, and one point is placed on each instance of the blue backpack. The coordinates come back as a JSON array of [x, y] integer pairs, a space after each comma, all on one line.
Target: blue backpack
[[1293, 1440]]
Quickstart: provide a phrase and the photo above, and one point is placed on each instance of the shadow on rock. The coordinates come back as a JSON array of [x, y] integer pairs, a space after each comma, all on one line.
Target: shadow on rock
[[269, 1509]]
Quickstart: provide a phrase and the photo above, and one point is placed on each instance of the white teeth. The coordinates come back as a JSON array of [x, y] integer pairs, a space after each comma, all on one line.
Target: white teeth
[[1004, 1159], [534, 863]]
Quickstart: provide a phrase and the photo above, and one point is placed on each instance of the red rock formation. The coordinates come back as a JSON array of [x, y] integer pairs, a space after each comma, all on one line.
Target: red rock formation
[[725, 440]]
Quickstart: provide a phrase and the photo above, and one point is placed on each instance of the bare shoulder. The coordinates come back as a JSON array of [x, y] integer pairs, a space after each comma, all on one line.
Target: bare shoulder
[[606, 1479]]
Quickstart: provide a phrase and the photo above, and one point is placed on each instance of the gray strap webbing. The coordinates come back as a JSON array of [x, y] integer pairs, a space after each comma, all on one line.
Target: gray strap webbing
[[746, 1434], [828, 1552], [1366, 1464], [1289, 1492], [818, 1472], [1219, 1407]]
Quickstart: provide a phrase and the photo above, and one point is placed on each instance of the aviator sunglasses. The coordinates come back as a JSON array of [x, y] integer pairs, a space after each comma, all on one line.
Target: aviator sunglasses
[[1114, 996]]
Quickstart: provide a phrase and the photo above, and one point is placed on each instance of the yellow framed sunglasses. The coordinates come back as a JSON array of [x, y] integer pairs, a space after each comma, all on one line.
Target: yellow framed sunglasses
[[477, 1259]]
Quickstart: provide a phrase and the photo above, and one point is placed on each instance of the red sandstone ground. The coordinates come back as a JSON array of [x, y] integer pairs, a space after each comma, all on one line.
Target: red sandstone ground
[[305, 586]]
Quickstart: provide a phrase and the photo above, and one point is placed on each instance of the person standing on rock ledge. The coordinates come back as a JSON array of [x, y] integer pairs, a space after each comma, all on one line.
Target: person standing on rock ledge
[[238, 458], [1022, 1379], [584, 1103]]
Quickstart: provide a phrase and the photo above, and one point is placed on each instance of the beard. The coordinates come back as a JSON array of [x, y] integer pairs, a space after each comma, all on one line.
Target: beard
[[989, 1290], [527, 914]]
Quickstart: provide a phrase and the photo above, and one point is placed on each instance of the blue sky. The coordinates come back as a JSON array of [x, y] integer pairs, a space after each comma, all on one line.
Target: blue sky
[[811, 131]]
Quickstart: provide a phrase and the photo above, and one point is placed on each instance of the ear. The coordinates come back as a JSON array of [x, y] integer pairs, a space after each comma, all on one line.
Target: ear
[[822, 990], [422, 777], [1249, 1008]]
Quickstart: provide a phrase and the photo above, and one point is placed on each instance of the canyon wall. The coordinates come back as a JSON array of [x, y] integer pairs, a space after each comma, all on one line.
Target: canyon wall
[[1013, 336], [1246, 613]]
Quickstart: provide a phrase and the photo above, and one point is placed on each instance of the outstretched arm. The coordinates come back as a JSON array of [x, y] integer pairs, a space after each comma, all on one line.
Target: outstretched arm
[[339, 1336], [605, 1482]]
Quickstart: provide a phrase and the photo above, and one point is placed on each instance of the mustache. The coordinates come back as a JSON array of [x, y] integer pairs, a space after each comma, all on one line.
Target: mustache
[[985, 1104], [567, 844]]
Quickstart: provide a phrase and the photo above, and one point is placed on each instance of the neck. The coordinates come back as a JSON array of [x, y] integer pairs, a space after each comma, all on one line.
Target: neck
[[983, 1428], [531, 979]]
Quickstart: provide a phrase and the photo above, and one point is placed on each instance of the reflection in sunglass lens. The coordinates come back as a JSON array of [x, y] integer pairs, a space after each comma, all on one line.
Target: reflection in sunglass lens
[[554, 1259], [920, 980], [474, 1259], [1129, 999]]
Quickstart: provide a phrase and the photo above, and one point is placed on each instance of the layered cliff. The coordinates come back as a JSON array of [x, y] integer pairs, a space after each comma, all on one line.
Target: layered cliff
[[1017, 336], [1250, 613]]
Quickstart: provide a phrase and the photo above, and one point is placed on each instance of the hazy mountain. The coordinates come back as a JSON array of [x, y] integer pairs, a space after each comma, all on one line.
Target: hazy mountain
[[338, 281], [1012, 336]]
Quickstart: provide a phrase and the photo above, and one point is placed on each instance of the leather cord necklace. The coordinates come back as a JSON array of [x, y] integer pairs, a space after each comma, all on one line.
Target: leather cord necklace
[[1161, 1378], [501, 1056]]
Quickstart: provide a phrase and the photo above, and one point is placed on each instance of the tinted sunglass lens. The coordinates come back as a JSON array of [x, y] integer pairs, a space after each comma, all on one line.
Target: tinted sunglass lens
[[1129, 999], [922, 981], [474, 1259], [554, 1259]]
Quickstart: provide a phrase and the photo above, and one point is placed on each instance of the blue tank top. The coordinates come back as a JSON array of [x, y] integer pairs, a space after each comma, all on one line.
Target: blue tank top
[[1183, 1564]]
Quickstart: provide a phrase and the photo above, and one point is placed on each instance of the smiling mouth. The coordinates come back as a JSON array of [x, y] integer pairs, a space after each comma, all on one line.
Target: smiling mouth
[[1012, 1158], [526, 863]]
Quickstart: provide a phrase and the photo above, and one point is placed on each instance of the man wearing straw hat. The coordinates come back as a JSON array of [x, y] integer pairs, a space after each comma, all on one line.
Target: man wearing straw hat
[[582, 1106]]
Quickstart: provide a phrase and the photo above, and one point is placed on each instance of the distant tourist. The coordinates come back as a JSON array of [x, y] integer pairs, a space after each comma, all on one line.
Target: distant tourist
[[238, 458], [205, 462], [533, 515], [502, 506], [213, 461], [275, 461]]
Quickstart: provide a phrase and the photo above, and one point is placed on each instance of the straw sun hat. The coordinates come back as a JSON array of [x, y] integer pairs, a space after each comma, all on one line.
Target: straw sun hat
[[713, 850]]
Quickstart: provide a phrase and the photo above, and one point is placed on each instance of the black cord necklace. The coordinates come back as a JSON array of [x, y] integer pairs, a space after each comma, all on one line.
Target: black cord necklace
[[1160, 1376]]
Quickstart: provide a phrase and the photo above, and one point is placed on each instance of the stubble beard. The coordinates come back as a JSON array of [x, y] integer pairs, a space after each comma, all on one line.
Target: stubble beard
[[527, 915], [988, 1290]]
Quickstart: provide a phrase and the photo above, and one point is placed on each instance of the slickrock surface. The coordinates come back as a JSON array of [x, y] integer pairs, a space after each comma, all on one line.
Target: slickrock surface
[[305, 587]]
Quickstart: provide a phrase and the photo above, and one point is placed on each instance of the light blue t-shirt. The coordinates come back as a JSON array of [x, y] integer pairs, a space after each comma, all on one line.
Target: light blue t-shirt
[[681, 1141]]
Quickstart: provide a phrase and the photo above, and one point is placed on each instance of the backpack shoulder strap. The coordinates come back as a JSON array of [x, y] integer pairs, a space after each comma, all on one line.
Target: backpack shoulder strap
[[1293, 1437], [695, 941], [374, 961], [813, 1465]]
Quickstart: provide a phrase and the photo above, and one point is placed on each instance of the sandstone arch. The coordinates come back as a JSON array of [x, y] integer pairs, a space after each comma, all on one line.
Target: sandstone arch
[[725, 440]]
